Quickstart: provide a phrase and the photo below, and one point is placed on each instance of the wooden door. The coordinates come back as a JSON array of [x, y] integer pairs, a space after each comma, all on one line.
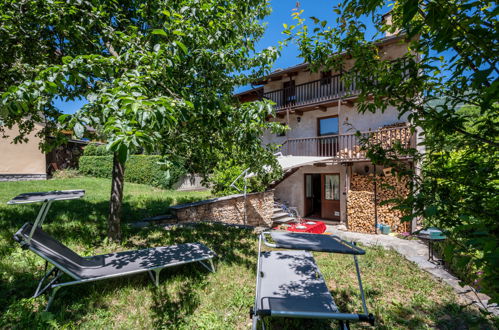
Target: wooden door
[[330, 195]]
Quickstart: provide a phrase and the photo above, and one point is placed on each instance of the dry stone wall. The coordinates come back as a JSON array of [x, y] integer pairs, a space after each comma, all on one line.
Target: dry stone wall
[[360, 204], [229, 209]]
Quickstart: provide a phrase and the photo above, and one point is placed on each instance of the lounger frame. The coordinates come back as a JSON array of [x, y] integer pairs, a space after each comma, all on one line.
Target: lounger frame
[[50, 282], [259, 314], [54, 274]]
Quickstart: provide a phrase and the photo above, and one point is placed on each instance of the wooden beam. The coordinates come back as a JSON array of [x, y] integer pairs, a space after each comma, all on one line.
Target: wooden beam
[[348, 103], [297, 112]]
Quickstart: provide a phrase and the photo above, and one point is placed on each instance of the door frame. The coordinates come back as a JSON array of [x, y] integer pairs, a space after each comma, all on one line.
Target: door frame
[[323, 192], [323, 196]]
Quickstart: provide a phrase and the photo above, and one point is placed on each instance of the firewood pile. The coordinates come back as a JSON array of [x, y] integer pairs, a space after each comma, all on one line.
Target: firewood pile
[[360, 204], [388, 136]]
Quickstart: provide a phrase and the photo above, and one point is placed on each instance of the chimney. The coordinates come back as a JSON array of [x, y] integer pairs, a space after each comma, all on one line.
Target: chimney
[[387, 20]]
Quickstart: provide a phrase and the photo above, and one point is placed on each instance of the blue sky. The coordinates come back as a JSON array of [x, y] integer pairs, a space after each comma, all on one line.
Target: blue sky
[[281, 13]]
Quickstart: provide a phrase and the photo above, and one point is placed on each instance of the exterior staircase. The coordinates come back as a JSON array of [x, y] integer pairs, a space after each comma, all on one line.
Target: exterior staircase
[[282, 215]]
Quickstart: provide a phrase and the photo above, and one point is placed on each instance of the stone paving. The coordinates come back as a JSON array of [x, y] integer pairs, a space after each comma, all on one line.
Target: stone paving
[[417, 252]]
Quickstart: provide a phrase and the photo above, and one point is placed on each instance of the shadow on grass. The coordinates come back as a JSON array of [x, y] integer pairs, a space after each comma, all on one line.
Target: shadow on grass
[[171, 307], [81, 225]]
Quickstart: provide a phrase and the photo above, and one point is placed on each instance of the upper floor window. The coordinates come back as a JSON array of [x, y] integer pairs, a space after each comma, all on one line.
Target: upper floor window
[[328, 126], [325, 77]]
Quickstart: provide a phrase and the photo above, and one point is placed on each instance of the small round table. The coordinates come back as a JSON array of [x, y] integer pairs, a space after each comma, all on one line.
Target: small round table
[[431, 239]]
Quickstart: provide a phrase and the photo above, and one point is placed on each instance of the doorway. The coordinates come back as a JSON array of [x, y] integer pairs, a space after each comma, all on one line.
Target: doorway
[[322, 196], [313, 195]]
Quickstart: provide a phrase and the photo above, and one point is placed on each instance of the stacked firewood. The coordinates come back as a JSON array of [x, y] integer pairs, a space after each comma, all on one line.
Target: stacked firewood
[[360, 204], [387, 136]]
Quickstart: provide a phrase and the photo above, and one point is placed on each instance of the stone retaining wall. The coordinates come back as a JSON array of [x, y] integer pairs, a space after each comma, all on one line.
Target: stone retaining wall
[[22, 177], [229, 209]]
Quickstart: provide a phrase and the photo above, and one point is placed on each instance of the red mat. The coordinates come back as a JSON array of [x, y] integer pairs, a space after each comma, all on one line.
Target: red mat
[[314, 227]]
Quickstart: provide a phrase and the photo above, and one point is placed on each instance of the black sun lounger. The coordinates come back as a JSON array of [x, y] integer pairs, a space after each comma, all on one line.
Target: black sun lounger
[[101, 267], [289, 283]]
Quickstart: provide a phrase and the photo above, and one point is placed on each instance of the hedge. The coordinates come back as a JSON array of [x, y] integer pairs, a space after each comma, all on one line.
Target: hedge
[[143, 169]]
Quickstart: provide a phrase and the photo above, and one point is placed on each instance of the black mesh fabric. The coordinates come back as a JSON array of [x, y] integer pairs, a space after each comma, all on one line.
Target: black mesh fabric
[[112, 263], [313, 242], [34, 197], [290, 281]]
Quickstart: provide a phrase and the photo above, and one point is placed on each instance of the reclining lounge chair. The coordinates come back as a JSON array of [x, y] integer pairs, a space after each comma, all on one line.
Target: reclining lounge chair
[[289, 283], [106, 266]]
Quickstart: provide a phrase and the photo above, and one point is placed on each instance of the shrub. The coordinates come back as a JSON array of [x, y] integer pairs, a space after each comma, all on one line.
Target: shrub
[[145, 169], [65, 174], [226, 172], [93, 149]]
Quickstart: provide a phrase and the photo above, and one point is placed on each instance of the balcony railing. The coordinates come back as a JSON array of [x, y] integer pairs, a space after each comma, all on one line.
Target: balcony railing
[[325, 89], [348, 146]]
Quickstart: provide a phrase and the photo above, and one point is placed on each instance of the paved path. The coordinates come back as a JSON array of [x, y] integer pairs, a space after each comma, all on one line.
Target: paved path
[[417, 252]]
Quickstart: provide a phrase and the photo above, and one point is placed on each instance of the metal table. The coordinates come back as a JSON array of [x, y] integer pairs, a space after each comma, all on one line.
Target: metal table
[[431, 251], [47, 198], [289, 283]]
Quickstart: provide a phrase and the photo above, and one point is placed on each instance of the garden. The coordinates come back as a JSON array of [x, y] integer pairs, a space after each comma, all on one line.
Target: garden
[[399, 294]]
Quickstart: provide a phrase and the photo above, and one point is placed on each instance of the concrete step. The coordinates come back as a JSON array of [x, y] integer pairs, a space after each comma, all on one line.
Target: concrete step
[[283, 220], [277, 209], [280, 215]]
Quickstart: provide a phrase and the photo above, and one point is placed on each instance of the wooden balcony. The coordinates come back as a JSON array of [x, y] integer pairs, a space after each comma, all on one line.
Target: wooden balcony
[[347, 147], [314, 92]]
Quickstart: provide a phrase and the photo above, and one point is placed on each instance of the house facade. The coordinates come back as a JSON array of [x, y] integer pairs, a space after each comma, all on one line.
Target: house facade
[[22, 161], [321, 113]]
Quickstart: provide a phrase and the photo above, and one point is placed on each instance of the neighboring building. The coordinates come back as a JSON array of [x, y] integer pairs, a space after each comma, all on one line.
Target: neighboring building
[[22, 161], [321, 145], [26, 161]]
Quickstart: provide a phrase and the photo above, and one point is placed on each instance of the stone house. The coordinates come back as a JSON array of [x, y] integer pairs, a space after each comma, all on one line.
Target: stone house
[[321, 113]]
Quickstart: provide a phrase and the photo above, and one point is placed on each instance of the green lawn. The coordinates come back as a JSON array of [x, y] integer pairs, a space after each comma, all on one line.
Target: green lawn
[[398, 293]]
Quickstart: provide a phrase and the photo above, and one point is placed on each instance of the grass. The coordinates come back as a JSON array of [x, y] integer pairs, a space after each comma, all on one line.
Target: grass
[[399, 294]]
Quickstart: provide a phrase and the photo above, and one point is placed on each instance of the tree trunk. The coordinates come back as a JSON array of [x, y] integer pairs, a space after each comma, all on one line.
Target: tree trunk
[[118, 180]]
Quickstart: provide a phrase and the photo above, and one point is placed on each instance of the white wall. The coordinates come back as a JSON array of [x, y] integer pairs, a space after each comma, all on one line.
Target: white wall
[[292, 189], [349, 121]]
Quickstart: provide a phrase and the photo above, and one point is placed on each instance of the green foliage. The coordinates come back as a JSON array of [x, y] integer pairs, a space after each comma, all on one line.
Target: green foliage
[[65, 174], [93, 149], [189, 297], [228, 171], [158, 76], [144, 169], [451, 60]]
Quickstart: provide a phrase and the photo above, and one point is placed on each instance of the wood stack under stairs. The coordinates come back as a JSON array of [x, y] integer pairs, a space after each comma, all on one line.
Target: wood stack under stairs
[[281, 216]]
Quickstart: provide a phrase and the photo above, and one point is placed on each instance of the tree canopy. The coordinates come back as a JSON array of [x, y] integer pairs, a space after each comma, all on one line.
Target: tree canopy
[[157, 75], [451, 61]]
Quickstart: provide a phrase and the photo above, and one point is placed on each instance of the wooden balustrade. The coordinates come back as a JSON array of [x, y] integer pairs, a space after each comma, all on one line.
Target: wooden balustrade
[[348, 146], [325, 89]]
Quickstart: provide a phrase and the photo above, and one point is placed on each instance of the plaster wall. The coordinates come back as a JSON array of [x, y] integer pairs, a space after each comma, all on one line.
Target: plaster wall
[[350, 121], [22, 158], [292, 189]]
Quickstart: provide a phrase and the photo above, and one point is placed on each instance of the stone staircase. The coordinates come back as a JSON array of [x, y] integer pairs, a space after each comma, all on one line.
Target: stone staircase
[[281, 216]]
